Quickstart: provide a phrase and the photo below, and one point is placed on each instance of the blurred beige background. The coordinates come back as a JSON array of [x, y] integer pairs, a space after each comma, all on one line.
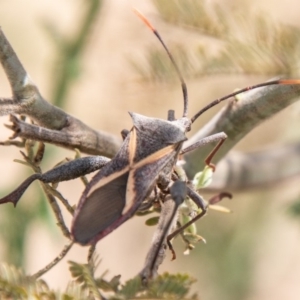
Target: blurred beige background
[[109, 87]]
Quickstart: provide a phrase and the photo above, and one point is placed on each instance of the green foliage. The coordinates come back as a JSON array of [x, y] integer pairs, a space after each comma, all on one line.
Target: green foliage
[[169, 286], [203, 178], [14, 284], [83, 274], [165, 286], [152, 221]]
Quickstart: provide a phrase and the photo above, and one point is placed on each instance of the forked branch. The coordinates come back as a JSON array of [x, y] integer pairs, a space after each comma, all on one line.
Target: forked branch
[[27, 100]]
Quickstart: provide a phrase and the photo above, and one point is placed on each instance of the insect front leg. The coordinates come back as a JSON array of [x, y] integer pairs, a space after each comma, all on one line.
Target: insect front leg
[[218, 137], [195, 197], [200, 203], [67, 171]]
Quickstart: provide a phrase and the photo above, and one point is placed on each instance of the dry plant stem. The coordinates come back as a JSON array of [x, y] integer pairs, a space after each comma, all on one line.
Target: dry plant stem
[[56, 210], [28, 101], [19, 144], [64, 201], [48, 190], [238, 118], [156, 253], [91, 252], [54, 262]]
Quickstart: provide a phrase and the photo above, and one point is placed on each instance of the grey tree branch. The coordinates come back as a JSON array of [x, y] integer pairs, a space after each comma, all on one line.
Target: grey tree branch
[[237, 119], [239, 171], [28, 101], [86, 140]]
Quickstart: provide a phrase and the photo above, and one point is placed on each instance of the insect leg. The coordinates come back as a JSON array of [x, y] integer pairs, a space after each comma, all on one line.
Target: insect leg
[[213, 200], [67, 171], [212, 154], [199, 201], [201, 204], [218, 137]]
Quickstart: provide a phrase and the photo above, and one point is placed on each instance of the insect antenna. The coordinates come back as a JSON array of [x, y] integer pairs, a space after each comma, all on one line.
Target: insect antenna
[[217, 101], [183, 84]]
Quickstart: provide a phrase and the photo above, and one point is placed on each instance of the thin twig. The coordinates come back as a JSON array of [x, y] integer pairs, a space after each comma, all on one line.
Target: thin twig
[[91, 252], [56, 210], [64, 201], [54, 262]]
